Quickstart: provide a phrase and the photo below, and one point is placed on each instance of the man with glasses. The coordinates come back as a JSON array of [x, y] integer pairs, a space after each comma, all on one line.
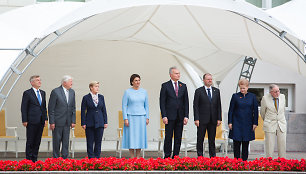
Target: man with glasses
[[273, 113]]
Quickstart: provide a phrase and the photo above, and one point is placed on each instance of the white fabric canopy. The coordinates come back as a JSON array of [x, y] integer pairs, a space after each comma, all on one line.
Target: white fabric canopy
[[292, 14], [204, 35]]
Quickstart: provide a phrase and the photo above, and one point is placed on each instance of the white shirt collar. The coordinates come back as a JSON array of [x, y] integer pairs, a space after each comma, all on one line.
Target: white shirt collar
[[35, 90], [211, 93], [173, 81], [174, 85], [93, 94], [207, 88], [65, 89]]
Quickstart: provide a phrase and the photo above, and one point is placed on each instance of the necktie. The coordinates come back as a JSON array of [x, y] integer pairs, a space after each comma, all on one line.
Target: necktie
[[209, 94], [176, 88], [275, 104], [38, 97]]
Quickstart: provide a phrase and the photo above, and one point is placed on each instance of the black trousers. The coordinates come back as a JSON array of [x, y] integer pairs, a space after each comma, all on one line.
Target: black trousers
[[211, 131], [176, 127], [34, 133], [245, 149], [94, 141]]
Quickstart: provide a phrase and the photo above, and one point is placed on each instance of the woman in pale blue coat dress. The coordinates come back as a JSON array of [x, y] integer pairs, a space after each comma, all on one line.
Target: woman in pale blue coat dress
[[135, 110]]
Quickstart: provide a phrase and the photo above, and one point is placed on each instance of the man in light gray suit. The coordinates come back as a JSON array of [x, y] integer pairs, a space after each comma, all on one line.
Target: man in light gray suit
[[273, 113], [61, 110]]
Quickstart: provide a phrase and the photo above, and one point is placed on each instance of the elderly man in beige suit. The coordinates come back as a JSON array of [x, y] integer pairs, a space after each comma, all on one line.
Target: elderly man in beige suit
[[273, 113]]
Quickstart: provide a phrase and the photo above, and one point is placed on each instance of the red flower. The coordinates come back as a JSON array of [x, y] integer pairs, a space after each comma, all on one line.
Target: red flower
[[186, 163]]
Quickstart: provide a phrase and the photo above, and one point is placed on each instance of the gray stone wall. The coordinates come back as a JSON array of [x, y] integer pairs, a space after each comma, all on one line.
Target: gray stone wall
[[296, 132]]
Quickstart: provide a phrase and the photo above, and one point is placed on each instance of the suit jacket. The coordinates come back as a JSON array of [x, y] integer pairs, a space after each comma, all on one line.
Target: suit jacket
[[93, 116], [271, 117], [204, 110], [60, 112], [135, 102], [172, 105], [31, 111]]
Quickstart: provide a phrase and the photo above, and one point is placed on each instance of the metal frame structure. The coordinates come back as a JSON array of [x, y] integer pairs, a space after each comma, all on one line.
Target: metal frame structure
[[280, 34], [38, 45], [25, 59], [247, 69]]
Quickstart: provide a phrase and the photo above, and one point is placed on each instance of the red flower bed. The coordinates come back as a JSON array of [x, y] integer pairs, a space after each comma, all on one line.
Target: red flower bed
[[186, 163]]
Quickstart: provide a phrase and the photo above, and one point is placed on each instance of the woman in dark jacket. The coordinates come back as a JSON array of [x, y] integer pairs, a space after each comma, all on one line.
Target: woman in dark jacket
[[93, 119], [242, 119]]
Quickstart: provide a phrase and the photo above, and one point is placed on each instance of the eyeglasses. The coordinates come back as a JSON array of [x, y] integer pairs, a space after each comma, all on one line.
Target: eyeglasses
[[275, 91]]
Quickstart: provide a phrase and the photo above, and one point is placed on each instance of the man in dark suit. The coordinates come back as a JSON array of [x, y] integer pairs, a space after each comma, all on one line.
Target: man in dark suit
[[61, 111], [174, 106], [34, 116], [207, 114]]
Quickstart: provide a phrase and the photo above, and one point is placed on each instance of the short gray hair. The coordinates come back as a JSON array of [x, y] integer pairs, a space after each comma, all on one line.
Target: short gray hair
[[272, 86], [171, 68], [66, 78], [34, 77]]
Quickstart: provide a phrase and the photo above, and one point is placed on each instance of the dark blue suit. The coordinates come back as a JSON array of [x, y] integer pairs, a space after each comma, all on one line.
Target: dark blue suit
[[208, 113], [94, 118], [242, 114], [35, 115], [175, 108]]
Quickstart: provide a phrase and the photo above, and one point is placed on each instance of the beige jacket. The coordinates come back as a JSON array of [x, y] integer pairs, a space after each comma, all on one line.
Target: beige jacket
[[271, 117]]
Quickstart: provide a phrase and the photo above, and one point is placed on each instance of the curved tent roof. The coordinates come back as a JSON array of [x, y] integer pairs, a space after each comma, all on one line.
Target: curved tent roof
[[205, 36], [292, 14]]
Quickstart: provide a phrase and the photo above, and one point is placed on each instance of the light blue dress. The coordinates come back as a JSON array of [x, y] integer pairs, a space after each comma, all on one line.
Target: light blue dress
[[135, 108]]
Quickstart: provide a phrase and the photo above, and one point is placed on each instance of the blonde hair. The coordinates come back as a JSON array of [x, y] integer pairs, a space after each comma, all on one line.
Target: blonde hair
[[91, 84], [243, 82]]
